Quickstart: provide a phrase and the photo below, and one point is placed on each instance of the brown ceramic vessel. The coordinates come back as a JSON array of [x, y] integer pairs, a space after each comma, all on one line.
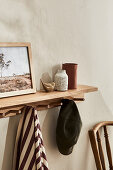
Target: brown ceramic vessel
[[71, 70]]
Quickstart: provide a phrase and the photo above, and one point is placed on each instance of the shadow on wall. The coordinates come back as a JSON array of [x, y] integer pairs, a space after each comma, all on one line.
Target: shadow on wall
[[10, 142], [49, 128], [55, 69]]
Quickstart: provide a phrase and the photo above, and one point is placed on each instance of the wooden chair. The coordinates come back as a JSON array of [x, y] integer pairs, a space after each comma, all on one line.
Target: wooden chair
[[96, 144]]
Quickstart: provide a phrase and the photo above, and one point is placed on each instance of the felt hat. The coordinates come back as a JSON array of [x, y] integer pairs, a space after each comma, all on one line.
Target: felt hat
[[68, 127]]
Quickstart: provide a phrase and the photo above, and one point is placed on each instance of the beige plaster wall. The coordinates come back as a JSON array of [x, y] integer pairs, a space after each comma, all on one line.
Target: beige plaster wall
[[79, 31]]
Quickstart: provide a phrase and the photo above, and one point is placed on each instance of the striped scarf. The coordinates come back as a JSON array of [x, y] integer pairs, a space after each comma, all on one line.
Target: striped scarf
[[29, 152]]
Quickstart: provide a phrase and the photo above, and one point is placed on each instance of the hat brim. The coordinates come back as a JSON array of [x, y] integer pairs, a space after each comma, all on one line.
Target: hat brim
[[65, 150]]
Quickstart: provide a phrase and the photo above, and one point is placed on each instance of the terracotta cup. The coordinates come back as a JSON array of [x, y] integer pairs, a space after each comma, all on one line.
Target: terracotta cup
[[71, 70]]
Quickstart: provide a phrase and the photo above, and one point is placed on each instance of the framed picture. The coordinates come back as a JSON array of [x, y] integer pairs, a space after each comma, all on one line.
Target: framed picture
[[16, 70]]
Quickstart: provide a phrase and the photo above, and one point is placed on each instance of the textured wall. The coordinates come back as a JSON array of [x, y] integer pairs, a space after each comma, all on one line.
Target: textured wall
[[79, 31]]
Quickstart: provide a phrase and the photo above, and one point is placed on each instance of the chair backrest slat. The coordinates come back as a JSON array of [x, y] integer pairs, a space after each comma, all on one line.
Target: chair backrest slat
[[95, 150], [97, 145], [101, 151], [108, 149]]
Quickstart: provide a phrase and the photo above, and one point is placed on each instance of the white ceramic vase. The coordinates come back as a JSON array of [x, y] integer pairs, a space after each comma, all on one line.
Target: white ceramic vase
[[61, 80]]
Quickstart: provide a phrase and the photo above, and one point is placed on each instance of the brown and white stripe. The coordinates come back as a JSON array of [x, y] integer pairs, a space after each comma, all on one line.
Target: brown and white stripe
[[29, 152]]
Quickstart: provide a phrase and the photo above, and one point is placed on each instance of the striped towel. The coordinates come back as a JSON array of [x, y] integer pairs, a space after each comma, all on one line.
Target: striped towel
[[29, 152]]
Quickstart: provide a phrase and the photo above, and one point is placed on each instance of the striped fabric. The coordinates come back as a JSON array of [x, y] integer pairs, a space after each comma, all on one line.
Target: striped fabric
[[29, 152]]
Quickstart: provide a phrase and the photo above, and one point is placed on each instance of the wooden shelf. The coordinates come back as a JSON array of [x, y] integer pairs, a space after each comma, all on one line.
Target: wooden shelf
[[42, 98]]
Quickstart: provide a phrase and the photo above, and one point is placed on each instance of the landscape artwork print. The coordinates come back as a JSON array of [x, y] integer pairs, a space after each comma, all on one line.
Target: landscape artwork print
[[15, 72]]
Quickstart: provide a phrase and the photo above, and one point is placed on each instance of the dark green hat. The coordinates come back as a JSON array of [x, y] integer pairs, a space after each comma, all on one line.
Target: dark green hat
[[68, 127]]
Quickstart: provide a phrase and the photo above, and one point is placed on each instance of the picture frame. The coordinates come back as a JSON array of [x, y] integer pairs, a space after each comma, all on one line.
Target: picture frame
[[16, 69]]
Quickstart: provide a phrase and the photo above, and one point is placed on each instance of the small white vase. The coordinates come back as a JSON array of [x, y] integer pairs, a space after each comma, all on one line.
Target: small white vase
[[61, 80]]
